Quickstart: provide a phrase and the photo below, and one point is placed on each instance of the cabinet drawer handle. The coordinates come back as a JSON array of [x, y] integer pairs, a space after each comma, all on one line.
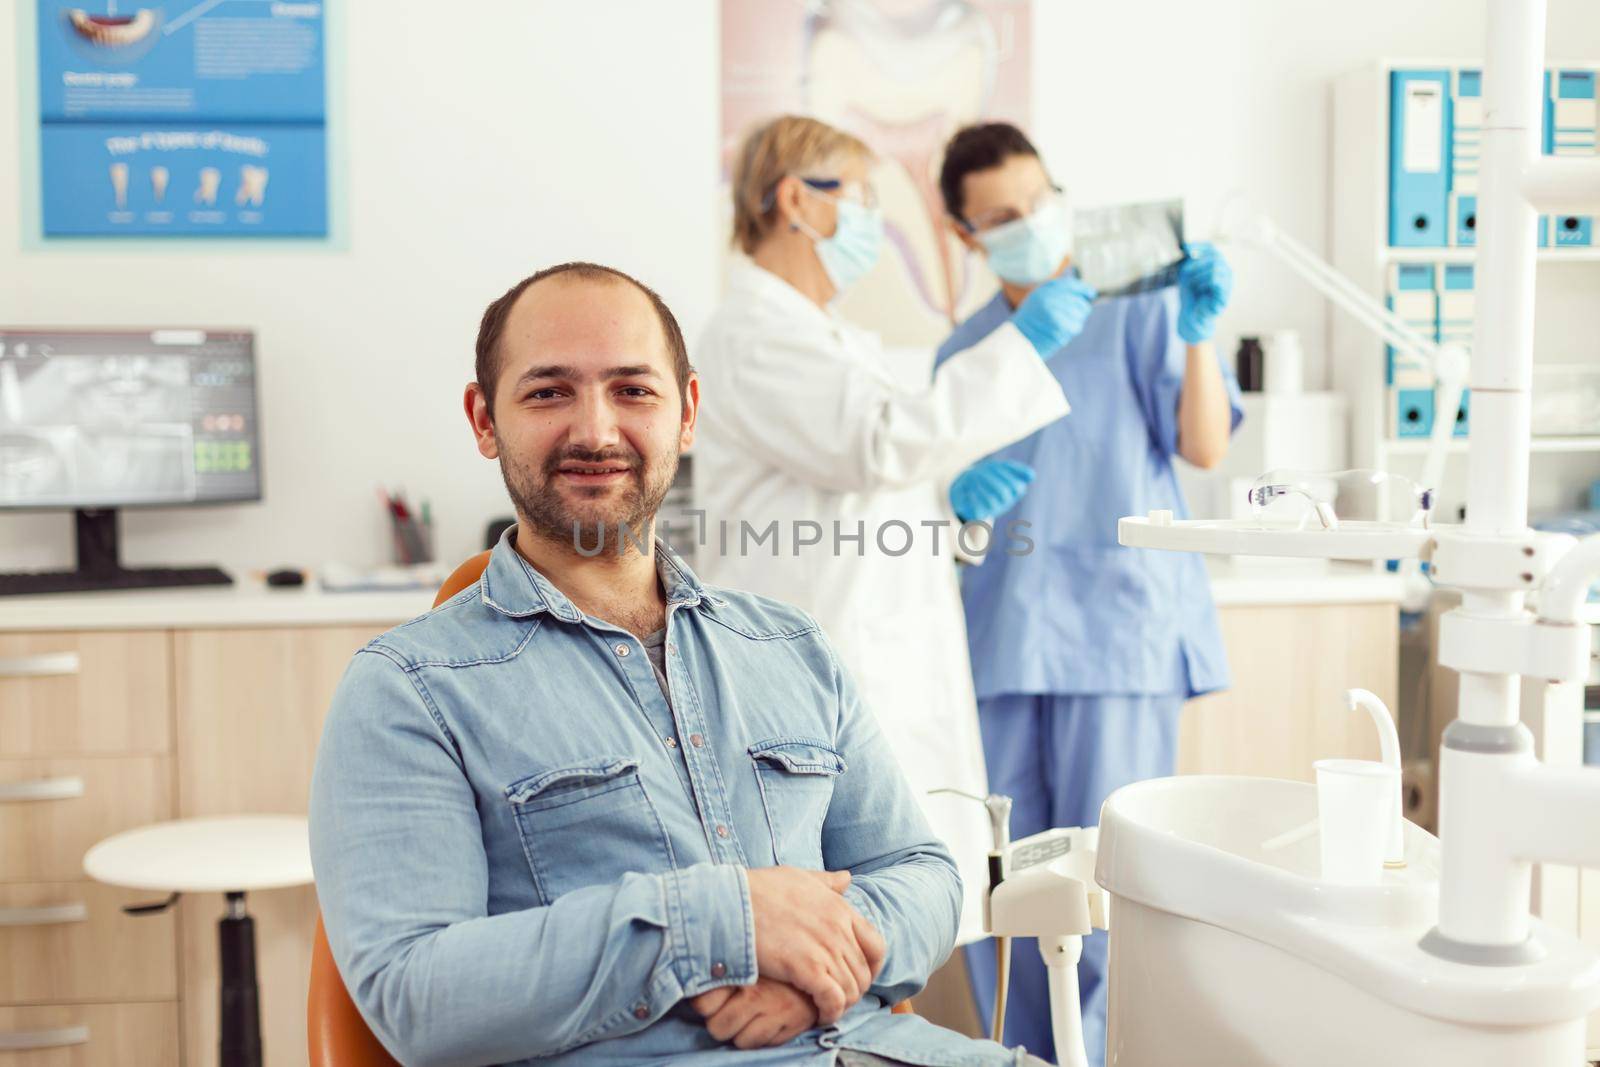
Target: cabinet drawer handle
[[23, 1040], [48, 915], [43, 789], [44, 665]]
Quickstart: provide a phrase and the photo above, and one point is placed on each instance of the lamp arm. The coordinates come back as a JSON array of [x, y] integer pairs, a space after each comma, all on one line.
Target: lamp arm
[[1448, 363]]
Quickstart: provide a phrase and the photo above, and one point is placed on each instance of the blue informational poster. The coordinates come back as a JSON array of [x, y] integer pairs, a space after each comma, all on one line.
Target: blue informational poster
[[182, 117], [148, 180]]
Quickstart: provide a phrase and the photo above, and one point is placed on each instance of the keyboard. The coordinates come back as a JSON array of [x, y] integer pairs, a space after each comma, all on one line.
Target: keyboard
[[27, 584]]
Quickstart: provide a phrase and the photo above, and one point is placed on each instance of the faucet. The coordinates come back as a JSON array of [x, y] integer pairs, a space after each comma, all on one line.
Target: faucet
[[1389, 746]]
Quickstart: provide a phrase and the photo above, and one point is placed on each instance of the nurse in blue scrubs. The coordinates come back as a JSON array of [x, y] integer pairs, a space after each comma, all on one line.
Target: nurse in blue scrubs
[[1084, 652]]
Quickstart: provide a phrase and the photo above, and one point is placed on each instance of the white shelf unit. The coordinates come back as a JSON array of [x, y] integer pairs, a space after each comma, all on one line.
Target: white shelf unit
[[1417, 446], [1567, 322], [1469, 255]]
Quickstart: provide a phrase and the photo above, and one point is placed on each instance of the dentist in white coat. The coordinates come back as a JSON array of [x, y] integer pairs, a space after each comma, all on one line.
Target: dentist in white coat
[[832, 482]]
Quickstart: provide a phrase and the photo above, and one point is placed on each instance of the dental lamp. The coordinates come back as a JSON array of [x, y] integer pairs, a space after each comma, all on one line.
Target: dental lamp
[[1448, 362]]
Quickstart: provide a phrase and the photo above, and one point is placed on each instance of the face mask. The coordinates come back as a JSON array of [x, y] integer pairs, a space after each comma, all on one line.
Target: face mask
[[853, 249], [1029, 251]]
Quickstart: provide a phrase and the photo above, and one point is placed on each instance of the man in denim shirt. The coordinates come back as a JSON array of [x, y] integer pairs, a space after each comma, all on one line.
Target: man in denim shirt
[[532, 842]]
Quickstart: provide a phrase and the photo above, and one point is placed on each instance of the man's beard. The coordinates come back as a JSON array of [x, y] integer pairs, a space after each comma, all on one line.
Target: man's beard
[[594, 524]]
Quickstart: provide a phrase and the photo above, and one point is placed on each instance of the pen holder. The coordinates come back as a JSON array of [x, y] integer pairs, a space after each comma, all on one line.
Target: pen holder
[[413, 540]]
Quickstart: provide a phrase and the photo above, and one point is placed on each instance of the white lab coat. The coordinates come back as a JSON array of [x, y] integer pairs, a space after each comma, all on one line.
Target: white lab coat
[[803, 420]]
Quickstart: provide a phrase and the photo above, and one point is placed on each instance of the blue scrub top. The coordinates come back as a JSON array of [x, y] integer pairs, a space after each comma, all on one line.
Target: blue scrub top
[[1080, 614]]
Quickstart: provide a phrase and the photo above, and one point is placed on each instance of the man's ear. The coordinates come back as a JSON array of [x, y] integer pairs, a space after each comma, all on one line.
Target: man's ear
[[482, 421], [691, 412]]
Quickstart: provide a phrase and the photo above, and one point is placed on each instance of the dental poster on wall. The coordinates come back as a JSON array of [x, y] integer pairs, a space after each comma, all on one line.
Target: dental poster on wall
[[188, 117], [903, 75]]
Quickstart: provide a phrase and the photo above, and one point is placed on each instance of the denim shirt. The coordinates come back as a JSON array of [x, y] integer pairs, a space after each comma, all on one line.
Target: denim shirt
[[524, 852]]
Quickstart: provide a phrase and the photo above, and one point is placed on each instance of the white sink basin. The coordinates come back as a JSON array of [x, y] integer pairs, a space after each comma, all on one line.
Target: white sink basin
[[1213, 829], [1225, 952]]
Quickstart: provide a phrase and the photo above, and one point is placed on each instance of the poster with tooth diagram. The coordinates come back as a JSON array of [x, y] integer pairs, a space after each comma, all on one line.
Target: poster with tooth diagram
[[182, 118], [903, 75]]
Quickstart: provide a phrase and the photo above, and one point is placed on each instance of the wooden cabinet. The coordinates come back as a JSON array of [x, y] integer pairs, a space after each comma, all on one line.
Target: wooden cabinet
[[1291, 665], [63, 942], [52, 810], [91, 1035], [253, 699], [85, 693], [85, 752], [106, 731]]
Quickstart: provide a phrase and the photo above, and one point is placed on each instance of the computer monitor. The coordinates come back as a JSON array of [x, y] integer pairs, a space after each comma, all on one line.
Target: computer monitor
[[94, 421]]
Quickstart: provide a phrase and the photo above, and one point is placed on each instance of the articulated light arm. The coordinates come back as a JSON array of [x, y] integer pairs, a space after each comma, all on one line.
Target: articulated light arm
[[1448, 363]]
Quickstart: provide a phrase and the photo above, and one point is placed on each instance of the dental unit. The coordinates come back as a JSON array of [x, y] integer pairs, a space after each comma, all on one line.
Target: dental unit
[[1227, 951]]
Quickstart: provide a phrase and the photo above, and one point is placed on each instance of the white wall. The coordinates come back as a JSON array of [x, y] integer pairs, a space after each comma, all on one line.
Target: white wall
[[482, 146], [479, 147]]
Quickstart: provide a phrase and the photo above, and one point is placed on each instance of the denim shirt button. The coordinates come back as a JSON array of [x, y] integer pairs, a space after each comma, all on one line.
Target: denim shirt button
[[718, 970], [696, 740], [671, 742], [722, 831], [621, 649], [641, 1011]]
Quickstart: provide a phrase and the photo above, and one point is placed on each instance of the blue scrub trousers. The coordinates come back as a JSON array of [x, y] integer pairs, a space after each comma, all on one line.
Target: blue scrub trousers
[[1058, 758]]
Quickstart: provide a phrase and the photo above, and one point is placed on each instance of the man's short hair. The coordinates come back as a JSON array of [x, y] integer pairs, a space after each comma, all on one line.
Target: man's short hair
[[976, 148], [496, 314]]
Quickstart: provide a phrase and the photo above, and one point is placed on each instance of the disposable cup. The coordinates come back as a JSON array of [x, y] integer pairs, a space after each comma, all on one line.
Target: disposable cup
[[1355, 813]]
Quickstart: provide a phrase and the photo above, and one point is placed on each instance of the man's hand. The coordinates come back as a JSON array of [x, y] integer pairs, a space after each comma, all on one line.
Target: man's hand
[[808, 936], [763, 1015]]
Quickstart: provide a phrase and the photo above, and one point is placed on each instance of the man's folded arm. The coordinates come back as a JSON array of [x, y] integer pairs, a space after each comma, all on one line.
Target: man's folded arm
[[903, 878], [402, 879]]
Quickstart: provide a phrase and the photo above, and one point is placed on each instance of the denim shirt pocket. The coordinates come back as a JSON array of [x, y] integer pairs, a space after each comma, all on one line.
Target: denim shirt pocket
[[795, 775], [588, 824]]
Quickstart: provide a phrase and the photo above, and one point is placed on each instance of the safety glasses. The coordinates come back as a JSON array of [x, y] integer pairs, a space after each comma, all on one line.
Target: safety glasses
[[991, 221], [1370, 496], [863, 193]]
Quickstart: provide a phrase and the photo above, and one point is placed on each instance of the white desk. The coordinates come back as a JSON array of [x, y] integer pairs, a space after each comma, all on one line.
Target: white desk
[[251, 603], [246, 603]]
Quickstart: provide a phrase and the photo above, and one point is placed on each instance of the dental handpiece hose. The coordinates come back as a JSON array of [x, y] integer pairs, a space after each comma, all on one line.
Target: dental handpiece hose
[[1002, 945], [1002, 955], [999, 808]]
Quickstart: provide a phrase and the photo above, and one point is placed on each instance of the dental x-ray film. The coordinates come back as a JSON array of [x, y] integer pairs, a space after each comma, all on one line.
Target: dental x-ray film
[[1129, 248]]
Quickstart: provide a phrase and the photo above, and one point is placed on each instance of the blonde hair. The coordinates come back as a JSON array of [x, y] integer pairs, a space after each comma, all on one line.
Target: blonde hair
[[788, 144]]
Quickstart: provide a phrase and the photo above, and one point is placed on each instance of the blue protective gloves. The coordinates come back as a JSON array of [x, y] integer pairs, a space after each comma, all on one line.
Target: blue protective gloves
[[1054, 314], [1205, 281], [988, 488]]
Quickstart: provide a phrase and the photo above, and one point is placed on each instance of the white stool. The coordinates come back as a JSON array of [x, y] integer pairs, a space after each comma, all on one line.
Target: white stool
[[230, 855]]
